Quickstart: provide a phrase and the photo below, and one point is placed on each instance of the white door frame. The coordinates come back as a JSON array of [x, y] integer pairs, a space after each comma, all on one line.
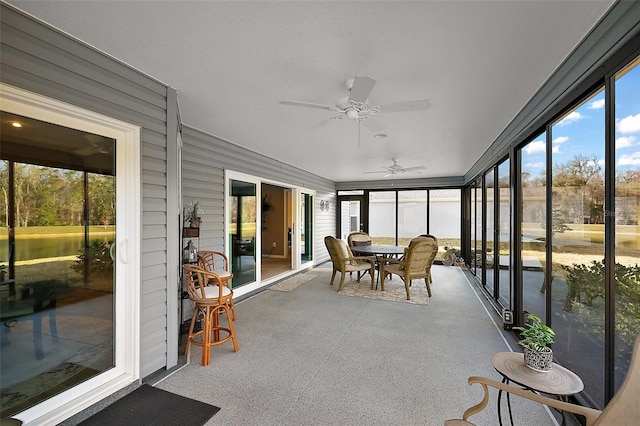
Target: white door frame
[[128, 249], [297, 191]]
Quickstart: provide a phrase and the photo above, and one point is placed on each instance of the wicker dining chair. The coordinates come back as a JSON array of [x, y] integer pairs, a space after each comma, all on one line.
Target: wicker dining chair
[[344, 261], [436, 243], [358, 238], [414, 264]]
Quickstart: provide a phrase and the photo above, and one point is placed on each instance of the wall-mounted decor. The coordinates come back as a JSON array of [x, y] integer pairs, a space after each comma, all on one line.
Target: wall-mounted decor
[[193, 214]]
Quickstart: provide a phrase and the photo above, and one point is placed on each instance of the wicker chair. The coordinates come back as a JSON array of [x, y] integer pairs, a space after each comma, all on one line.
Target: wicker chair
[[414, 264], [436, 242], [623, 409], [358, 238], [211, 301], [217, 262], [344, 261]]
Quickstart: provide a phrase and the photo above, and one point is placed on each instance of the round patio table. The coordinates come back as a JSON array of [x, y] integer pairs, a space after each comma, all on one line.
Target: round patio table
[[380, 252]]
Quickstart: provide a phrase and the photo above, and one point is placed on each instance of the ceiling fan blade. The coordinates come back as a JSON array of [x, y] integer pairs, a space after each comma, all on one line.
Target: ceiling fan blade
[[405, 106], [362, 86], [373, 125], [411, 169], [381, 171], [319, 125], [309, 105]]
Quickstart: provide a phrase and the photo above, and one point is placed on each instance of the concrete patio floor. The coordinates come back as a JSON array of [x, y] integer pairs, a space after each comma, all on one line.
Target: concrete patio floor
[[309, 356]]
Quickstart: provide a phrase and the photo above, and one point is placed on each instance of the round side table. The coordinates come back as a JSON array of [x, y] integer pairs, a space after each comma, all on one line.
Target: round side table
[[559, 381]]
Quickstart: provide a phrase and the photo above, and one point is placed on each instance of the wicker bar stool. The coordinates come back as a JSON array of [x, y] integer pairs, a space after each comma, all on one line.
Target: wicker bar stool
[[211, 301], [218, 263]]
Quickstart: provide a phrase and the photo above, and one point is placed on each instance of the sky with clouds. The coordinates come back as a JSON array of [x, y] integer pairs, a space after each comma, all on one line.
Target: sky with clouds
[[581, 131]]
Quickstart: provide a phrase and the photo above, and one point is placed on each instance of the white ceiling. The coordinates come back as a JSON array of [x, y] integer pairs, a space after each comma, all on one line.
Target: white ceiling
[[478, 62]]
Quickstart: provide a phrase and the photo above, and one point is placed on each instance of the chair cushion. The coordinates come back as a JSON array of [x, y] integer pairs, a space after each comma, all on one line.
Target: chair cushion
[[222, 273], [212, 291], [357, 266], [394, 268]]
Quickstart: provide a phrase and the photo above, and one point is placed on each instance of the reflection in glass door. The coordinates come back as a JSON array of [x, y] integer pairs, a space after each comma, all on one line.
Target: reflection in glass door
[[57, 215], [478, 251], [533, 219], [488, 256], [502, 258], [627, 218], [306, 227], [576, 309], [243, 217], [351, 215]]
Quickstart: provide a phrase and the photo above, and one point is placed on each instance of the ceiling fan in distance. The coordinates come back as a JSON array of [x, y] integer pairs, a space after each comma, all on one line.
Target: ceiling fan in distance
[[397, 169], [356, 107]]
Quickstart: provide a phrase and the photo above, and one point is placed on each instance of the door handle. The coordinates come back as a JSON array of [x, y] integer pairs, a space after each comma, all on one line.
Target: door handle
[[122, 251]]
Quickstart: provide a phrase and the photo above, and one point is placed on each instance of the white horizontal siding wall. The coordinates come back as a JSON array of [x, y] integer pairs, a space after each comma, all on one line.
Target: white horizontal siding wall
[[204, 160]]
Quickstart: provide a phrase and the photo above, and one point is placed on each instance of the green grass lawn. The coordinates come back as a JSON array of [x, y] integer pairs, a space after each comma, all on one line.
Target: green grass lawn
[[39, 231]]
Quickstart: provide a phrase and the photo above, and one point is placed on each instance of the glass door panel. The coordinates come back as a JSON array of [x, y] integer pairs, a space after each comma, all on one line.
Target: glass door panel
[[502, 252], [473, 232], [382, 217], [243, 217], [351, 215], [412, 215], [57, 293], [488, 259], [478, 250], [4, 224], [627, 218], [533, 214], [306, 227], [577, 237], [444, 218]]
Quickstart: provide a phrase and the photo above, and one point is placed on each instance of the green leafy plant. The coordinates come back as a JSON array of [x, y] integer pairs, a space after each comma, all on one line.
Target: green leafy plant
[[586, 283], [535, 335], [96, 259]]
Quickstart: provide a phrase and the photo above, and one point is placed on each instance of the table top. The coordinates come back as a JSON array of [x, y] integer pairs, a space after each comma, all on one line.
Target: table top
[[378, 249], [557, 381]]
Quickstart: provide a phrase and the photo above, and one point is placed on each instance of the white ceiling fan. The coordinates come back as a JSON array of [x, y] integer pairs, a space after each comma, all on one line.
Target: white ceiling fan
[[97, 145], [356, 106], [397, 169]]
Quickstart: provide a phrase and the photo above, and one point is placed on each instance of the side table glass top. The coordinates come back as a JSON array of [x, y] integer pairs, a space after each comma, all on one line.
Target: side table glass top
[[558, 381]]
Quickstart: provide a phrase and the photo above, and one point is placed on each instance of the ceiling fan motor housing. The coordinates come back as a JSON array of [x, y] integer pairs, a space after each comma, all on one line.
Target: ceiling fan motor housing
[[353, 114]]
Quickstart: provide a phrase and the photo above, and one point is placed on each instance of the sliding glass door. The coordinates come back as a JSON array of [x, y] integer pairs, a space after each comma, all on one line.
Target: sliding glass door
[[70, 234], [243, 216], [270, 228], [351, 213], [306, 227]]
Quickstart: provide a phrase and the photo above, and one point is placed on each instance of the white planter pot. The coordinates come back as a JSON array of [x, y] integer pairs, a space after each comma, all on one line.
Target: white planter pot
[[538, 361]]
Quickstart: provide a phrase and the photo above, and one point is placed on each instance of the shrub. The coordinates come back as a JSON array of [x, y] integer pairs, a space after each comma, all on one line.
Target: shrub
[[98, 257], [590, 280]]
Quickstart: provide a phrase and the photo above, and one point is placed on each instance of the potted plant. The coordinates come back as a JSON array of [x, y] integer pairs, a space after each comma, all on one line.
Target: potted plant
[[193, 214], [536, 337]]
